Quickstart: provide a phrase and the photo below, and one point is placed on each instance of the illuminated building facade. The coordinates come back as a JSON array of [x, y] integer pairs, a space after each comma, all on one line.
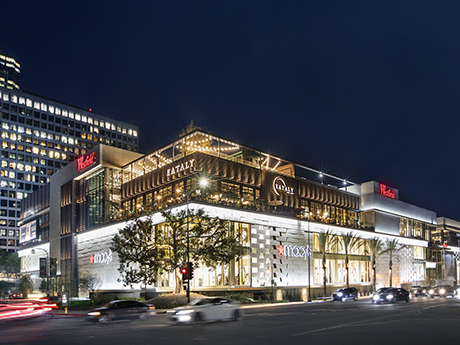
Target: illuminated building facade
[[275, 208], [10, 71], [39, 137]]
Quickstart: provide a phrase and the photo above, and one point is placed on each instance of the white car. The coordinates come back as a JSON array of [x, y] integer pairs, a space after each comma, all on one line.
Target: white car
[[208, 309]]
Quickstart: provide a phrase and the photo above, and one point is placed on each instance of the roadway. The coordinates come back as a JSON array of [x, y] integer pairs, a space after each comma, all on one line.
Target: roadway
[[421, 321]]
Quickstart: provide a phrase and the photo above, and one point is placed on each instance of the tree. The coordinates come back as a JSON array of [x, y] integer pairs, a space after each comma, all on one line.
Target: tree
[[325, 240], [374, 248], [137, 252], [90, 282], [43, 285], [392, 248], [210, 241], [349, 242], [4, 287], [25, 285], [143, 250], [9, 263]]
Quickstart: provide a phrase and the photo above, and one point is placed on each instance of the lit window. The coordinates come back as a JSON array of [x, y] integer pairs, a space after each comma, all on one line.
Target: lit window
[[36, 133], [51, 154], [43, 135], [4, 144], [71, 115], [29, 103], [4, 184], [130, 132], [42, 153], [12, 184], [21, 129], [35, 150], [71, 141], [119, 129], [4, 173], [90, 120], [37, 105], [51, 109], [13, 136], [5, 125], [22, 100], [83, 135], [29, 131], [64, 139], [135, 133], [43, 143], [12, 146], [12, 165], [4, 164], [5, 97], [57, 155], [101, 124], [12, 174], [107, 125], [20, 167], [28, 168], [58, 111], [123, 130], [64, 156], [43, 107], [64, 113], [5, 135], [19, 195], [14, 98], [77, 117], [42, 161]]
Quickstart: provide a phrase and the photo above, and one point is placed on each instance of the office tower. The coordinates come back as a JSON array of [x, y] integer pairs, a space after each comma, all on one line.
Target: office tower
[[39, 137], [9, 72]]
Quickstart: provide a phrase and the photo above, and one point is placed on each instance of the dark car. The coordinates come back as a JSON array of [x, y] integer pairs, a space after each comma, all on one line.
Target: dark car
[[422, 291], [121, 309], [345, 294], [441, 291], [390, 295]]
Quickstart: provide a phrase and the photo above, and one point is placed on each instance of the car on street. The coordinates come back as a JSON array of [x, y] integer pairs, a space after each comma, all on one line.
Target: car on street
[[390, 295], [208, 309], [121, 310], [345, 294], [441, 291], [422, 291]]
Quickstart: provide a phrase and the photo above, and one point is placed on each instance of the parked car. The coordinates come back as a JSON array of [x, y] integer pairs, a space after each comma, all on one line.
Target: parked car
[[441, 291], [208, 309], [422, 291], [390, 295], [345, 294], [121, 309]]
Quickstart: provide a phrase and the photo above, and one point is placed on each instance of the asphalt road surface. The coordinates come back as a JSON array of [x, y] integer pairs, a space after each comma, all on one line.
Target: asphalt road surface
[[421, 321]]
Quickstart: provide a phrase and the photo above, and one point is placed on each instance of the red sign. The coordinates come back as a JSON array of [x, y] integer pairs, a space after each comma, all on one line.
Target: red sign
[[386, 191], [91, 259], [86, 160]]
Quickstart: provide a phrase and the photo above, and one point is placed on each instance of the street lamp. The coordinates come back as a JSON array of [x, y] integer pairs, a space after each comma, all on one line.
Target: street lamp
[[47, 272], [203, 183]]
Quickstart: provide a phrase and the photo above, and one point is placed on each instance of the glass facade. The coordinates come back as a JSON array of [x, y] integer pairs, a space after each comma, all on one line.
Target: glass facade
[[39, 137]]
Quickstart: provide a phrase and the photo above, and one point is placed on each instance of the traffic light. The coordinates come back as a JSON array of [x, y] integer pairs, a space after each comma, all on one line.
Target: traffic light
[[184, 272], [190, 270]]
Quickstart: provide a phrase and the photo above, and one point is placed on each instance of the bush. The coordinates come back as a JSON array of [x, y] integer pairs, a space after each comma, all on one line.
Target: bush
[[174, 300]]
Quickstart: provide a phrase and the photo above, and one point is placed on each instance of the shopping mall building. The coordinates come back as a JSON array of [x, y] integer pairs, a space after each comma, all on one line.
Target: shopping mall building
[[276, 209]]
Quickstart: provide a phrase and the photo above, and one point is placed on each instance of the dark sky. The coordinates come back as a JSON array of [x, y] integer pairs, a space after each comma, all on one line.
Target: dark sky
[[367, 90]]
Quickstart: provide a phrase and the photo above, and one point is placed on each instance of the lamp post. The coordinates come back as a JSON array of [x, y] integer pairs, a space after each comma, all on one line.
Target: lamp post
[[47, 272], [203, 183], [309, 269]]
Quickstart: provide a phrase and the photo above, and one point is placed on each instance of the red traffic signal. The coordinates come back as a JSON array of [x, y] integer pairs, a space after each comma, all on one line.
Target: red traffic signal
[[184, 272]]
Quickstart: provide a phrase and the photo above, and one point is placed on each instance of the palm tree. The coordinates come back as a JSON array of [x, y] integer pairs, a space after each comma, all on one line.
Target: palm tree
[[349, 243], [325, 240], [374, 249], [392, 248]]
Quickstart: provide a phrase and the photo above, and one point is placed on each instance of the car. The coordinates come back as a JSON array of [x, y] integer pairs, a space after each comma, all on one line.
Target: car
[[208, 309], [390, 295], [345, 294], [120, 310], [441, 291], [422, 291]]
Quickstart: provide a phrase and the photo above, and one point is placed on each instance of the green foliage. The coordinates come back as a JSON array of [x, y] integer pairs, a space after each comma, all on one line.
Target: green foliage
[[349, 242], [392, 247], [25, 285], [43, 285], [9, 263], [325, 240], [374, 248], [137, 252], [4, 287]]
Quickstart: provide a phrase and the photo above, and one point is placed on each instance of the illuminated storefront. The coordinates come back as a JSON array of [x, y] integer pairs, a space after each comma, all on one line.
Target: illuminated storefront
[[275, 208]]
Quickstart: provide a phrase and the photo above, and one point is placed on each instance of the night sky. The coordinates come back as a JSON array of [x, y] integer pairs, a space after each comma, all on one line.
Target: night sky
[[365, 90]]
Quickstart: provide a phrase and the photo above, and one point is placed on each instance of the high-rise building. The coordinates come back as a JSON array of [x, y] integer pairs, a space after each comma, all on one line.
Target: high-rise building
[[9, 72], [39, 136]]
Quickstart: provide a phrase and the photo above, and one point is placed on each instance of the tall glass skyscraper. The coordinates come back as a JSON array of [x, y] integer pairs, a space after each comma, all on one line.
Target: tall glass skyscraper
[[39, 136]]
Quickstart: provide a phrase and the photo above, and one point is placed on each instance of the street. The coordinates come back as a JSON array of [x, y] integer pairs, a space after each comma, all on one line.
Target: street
[[421, 321]]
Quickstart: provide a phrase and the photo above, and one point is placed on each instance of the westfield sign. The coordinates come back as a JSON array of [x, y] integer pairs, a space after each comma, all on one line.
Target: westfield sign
[[85, 161], [386, 191]]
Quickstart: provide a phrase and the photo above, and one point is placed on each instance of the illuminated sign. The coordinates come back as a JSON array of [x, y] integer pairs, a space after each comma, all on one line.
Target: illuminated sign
[[280, 185], [295, 251], [101, 258], [85, 161], [386, 191], [28, 232], [180, 167]]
